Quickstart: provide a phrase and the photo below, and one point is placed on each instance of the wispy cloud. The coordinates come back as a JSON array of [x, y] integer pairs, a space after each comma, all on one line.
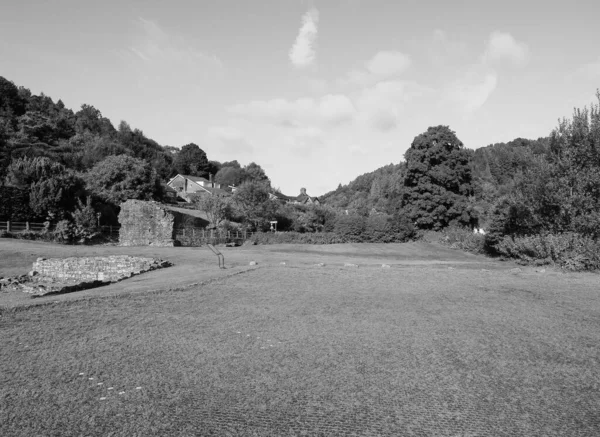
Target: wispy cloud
[[153, 45], [472, 90], [331, 109], [303, 52], [504, 47], [384, 65]]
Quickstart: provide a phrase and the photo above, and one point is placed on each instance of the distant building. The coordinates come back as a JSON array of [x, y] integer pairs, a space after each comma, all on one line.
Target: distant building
[[187, 187], [302, 199]]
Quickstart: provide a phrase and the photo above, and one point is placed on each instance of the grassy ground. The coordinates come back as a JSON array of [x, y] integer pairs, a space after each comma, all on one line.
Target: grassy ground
[[427, 347]]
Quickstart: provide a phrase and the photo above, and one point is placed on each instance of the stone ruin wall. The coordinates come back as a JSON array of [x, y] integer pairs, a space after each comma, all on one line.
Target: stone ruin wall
[[151, 224], [99, 268]]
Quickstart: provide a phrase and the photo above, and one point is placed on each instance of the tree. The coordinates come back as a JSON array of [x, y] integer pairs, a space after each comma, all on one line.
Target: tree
[[256, 173], [230, 176], [192, 161], [23, 172], [122, 177], [438, 184], [216, 208], [252, 200], [56, 196]]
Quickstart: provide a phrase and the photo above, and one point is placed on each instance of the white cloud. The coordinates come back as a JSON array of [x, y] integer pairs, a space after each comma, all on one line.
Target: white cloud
[[384, 65], [387, 64], [329, 109], [472, 90], [303, 53], [381, 105], [443, 51], [503, 47]]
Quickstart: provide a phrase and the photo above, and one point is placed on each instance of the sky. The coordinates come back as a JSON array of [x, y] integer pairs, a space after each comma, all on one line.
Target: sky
[[316, 92]]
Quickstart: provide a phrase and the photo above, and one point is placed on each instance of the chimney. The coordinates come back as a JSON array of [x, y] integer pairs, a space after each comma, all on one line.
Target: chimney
[[212, 184]]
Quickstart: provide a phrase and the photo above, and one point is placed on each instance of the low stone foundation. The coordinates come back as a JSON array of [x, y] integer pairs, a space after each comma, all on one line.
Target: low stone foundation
[[97, 268], [63, 275]]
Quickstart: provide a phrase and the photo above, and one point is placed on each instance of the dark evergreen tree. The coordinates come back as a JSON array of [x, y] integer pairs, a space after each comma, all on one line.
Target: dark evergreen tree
[[438, 182]]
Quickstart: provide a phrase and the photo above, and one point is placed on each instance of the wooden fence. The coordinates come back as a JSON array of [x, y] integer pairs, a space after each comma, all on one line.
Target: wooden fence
[[189, 236], [112, 231]]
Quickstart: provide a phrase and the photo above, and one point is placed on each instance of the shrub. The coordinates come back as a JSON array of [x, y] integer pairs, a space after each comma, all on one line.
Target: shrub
[[571, 251], [351, 228], [64, 232], [457, 237], [296, 238], [85, 222]]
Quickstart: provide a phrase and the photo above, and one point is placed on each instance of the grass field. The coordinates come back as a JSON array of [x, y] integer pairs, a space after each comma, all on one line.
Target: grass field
[[441, 343]]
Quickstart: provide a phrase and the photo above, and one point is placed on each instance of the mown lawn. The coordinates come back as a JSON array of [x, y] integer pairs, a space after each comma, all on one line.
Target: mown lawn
[[312, 351]]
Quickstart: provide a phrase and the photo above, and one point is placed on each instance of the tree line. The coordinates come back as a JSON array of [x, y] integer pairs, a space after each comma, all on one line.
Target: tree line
[[55, 163]]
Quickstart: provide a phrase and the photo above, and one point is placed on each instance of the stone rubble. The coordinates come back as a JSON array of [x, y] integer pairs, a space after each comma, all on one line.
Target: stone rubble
[[65, 275]]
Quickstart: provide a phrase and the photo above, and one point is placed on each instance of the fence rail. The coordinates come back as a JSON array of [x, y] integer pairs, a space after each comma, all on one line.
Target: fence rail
[[11, 226], [189, 236]]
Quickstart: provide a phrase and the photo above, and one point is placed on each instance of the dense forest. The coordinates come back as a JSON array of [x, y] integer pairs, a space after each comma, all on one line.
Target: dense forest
[[535, 199]]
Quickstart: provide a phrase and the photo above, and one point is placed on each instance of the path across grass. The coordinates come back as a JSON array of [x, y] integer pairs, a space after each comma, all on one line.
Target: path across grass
[[419, 349]]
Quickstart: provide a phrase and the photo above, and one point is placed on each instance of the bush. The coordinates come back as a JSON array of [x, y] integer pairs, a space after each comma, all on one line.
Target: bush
[[570, 251], [85, 222], [296, 238], [64, 231], [457, 237], [351, 228]]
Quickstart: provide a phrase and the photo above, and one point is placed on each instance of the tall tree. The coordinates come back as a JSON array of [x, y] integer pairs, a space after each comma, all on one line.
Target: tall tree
[[118, 178], [192, 161], [252, 200], [438, 184]]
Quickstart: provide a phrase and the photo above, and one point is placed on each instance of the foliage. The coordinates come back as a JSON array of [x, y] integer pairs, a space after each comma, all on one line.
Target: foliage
[[55, 197], [216, 208], [380, 190], [296, 238], [251, 199], [457, 237], [230, 176], [24, 172], [85, 222], [351, 227], [560, 191], [192, 161], [14, 205], [383, 228], [438, 184], [119, 178], [255, 172], [64, 231], [570, 250]]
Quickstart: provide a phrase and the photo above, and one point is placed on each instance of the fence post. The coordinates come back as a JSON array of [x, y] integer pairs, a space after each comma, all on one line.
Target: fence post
[[193, 232], [26, 226], [8, 226]]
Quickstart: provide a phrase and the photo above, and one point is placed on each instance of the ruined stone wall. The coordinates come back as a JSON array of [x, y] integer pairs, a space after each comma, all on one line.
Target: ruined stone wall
[[99, 268], [152, 224], [145, 224]]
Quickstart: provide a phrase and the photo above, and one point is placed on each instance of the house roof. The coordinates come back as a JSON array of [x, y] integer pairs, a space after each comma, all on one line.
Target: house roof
[[195, 178]]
